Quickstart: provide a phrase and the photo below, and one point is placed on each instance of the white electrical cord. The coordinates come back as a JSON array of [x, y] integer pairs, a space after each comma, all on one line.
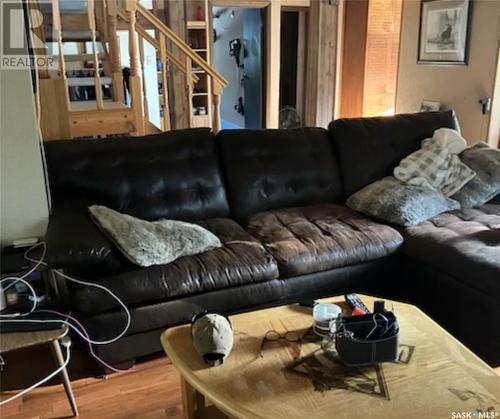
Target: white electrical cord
[[39, 383], [14, 317], [18, 317]]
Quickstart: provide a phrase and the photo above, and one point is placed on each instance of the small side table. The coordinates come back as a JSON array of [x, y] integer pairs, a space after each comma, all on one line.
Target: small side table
[[19, 340]]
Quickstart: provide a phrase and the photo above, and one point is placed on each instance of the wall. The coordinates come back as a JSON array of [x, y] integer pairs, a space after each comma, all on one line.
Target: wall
[[227, 29], [23, 199], [456, 87]]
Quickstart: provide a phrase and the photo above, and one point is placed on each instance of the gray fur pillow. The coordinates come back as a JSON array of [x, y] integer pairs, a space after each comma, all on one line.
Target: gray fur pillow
[[391, 201], [485, 161], [147, 243]]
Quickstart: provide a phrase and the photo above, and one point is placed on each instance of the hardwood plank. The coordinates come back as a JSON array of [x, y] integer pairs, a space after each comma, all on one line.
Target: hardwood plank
[[150, 390], [106, 399]]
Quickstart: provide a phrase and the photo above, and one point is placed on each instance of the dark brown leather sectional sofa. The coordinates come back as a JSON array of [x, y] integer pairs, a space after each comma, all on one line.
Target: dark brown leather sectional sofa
[[276, 200]]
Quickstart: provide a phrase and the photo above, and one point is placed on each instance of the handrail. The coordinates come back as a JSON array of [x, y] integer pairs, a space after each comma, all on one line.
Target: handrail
[[181, 44], [143, 33]]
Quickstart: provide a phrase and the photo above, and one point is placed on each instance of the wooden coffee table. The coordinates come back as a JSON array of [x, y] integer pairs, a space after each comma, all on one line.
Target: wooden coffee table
[[436, 374]]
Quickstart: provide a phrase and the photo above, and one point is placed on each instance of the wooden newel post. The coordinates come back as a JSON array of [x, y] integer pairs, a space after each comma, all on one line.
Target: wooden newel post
[[217, 93], [135, 75], [114, 51]]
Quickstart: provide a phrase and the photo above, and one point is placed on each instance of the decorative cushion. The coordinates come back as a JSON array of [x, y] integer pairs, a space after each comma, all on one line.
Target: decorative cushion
[[321, 237], [147, 243], [173, 175], [485, 161], [369, 149], [405, 205], [276, 168]]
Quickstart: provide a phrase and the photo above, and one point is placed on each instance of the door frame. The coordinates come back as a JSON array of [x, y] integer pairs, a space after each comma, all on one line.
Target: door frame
[[271, 74]]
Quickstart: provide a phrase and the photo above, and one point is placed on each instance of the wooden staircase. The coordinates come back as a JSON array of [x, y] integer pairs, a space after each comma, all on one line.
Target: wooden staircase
[[115, 110]]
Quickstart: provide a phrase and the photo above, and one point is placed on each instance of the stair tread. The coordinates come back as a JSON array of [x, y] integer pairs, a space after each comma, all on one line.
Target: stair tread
[[87, 81], [91, 105]]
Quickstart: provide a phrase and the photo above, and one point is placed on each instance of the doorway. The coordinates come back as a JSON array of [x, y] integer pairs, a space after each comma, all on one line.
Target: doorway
[[293, 40], [238, 56]]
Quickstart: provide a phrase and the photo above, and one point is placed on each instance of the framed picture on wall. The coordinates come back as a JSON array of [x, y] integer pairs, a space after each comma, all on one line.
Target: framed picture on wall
[[444, 31]]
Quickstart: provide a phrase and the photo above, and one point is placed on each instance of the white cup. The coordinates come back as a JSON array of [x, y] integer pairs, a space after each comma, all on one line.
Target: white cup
[[325, 318]]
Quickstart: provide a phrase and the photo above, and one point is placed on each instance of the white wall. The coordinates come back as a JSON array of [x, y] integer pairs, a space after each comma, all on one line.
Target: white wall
[[23, 198], [456, 87], [228, 29]]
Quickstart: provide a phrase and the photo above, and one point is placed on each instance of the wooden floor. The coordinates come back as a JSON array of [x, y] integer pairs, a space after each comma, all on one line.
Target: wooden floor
[[150, 390]]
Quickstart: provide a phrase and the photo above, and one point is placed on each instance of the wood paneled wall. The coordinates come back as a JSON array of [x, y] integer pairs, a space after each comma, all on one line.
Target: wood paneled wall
[[321, 63]]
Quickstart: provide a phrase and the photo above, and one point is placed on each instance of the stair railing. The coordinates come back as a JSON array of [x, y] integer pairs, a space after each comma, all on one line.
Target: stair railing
[[217, 80], [129, 10]]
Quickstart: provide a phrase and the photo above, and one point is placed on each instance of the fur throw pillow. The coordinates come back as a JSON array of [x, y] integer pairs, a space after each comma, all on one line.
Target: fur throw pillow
[[147, 243]]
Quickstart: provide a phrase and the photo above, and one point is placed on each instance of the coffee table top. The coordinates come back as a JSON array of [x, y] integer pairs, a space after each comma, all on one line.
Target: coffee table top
[[437, 375]]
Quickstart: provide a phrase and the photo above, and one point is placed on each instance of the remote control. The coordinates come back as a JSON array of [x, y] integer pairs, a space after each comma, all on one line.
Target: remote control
[[307, 303], [354, 302]]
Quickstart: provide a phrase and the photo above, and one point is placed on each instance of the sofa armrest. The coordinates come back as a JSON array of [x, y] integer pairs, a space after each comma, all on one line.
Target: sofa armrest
[[75, 243]]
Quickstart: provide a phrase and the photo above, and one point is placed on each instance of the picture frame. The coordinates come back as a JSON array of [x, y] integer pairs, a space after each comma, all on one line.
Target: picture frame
[[444, 32]]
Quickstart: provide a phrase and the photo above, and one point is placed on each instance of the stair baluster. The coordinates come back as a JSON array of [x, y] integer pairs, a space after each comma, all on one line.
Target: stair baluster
[[164, 82], [56, 12], [143, 75], [189, 90], [97, 76], [217, 93]]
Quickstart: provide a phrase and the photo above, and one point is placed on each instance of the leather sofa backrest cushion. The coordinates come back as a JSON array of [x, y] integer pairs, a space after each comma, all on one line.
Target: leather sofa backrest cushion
[[368, 149], [269, 169], [168, 175]]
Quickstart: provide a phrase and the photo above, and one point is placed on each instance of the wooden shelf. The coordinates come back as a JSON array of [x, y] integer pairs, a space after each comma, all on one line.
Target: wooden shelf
[[196, 24], [198, 37]]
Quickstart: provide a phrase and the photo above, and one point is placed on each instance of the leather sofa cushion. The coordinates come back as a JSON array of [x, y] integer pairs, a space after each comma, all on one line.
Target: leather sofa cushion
[[268, 169], [76, 244], [172, 175], [368, 149], [241, 260], [463, 243], [317, 238]]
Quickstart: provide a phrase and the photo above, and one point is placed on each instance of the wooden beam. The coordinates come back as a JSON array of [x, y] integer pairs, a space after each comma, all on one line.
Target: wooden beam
[[273, 40], [175, 11], [321, 63], [296, 3]]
